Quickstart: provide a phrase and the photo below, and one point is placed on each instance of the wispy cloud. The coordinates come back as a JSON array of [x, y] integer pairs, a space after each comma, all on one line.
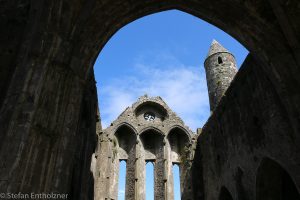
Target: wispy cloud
[[182, 87]]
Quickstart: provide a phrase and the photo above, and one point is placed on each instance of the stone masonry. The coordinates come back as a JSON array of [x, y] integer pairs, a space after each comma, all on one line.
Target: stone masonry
[[220, 67], [148, 131], [249, 149]]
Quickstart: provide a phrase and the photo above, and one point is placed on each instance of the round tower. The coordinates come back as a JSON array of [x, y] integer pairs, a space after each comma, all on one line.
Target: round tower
[[220, 67]]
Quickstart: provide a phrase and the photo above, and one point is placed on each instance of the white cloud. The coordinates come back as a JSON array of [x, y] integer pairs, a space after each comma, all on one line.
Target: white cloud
[[182, 87]]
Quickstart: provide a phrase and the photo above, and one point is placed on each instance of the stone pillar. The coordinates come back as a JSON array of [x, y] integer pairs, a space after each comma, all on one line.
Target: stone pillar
[[169, 172], [139, 172], [103, 169], [159, 170], [220, 67], [114, 177], [130, 171]]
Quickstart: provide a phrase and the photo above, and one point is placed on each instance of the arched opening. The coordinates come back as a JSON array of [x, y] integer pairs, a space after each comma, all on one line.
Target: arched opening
[[176, 181], [274, 183], [77, 34], [125, 149], [152, 142], [179, 142], [125, 143], [149, 180], [122, 180], [156, 58], [225, 194]]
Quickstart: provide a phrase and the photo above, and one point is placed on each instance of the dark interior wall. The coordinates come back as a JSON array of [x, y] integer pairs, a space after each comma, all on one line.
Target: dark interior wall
[[41, 111], [250, 123], [85, 142], [11, 36]]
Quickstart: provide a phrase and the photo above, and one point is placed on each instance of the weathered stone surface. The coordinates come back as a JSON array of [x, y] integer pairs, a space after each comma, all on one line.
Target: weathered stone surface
[[47, 52], [220, 68], [137, 139], [249, 125]]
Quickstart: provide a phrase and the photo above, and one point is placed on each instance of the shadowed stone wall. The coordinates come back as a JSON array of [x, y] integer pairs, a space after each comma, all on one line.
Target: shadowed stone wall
[[250, 123]]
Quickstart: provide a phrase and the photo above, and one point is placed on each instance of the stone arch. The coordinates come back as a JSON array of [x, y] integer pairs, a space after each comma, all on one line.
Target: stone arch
[[179, 153], [71, 42], [153, 145], [179, 141], [225, 194], [152, 128], [253, 29], [152, 141], [124, 140], [182, 130], [125, 137], [125, 124], [274, 183], [158, 107], [244, 30]]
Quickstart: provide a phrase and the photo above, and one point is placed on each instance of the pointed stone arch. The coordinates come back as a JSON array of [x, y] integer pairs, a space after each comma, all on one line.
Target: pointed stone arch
[[273, 182], [125, 136], [152, 140], [179, 140], [124, 140], [179, 153], [153, 145]]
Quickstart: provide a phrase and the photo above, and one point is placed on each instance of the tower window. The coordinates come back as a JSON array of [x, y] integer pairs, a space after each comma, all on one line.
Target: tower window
[[220, 61]]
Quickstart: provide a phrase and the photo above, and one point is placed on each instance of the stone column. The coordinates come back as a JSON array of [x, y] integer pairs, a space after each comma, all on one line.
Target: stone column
[[159, 172], [139, 172], [114, 176], [169, 172], [130, 171], [102, 169]]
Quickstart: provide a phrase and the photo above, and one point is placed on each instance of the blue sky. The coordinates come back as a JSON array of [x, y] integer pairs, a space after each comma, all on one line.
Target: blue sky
[[160, 55]]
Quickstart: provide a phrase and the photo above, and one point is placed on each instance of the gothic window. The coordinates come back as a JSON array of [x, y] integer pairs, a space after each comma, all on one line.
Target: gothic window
[[149, 181], [122, 180], [273, 182]]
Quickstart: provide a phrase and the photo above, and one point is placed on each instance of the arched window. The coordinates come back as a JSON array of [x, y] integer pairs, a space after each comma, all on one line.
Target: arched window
[[176, 182], [122, 180], [149, 181], [224, 194], [220, 61], [274, 183]]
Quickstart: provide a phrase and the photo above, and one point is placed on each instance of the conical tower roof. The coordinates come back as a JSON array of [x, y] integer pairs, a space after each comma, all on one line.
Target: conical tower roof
[[216, 47]]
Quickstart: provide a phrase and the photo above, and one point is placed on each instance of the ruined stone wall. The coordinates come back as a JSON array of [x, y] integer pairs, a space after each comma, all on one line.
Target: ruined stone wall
[[165, 140], [250, 124], [48, 48]]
